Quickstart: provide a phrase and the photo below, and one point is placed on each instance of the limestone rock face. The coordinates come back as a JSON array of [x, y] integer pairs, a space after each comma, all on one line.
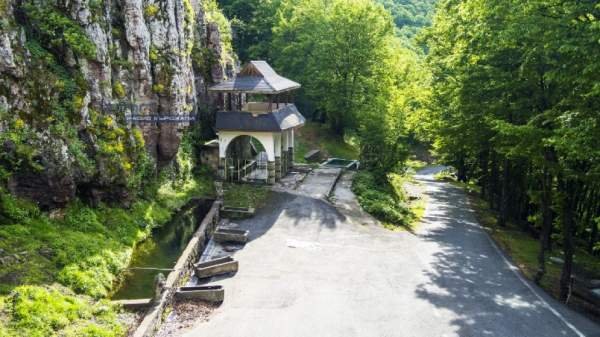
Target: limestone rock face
[[151, 54]]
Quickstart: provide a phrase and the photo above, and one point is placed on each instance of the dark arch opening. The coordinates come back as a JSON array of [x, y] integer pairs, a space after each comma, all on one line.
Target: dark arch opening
[[246, 160]]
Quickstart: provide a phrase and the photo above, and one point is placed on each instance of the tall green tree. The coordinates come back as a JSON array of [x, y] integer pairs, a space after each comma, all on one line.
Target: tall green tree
[[338, 50]]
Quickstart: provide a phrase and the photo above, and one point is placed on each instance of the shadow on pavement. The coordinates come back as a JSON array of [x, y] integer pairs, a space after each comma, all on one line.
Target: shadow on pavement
[[469, 278]]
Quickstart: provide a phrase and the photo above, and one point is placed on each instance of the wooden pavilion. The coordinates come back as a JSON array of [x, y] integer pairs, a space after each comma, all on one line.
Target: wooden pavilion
[[255, 124]]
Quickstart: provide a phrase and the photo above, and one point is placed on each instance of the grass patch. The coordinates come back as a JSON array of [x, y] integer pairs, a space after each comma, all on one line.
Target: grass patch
[[245, 195], [56, 311], [318, 136], [415, 165], [417, 209]]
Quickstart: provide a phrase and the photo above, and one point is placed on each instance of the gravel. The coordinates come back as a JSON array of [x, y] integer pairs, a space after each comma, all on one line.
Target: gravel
[[184, 315]]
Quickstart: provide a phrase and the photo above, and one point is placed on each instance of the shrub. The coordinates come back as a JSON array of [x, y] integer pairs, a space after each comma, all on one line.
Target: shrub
[[380, 199], [51, 24], [153, 55], [119, 90], [158, 88], [14, 208], [151, 10]]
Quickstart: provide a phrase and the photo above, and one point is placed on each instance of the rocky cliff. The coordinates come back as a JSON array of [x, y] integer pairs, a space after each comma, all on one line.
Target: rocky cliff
[[72, 70]]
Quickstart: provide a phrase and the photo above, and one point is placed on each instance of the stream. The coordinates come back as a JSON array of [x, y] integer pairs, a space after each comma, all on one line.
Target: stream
[[161, 251]]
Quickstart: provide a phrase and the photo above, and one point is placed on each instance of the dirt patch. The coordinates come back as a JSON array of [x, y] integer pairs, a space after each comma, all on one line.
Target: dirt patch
[[184, 315], [130, 320]]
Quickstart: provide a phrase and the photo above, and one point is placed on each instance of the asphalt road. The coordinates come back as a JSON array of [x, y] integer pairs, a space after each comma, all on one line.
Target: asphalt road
[[312, 269]]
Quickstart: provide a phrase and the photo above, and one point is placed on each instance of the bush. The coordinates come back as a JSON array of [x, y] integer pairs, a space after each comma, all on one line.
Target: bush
[[380, 199], [151, 10], [50, 24], [119, 90]]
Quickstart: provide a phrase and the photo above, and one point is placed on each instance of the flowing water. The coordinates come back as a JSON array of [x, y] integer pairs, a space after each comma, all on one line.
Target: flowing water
[[161, 251]]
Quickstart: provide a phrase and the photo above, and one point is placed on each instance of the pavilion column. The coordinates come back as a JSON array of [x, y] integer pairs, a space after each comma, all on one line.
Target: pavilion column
[[271, 172], [290, 162], [290, 159], [284, 153], [221, 170], [277, 168], [277, 155], [284, 160]]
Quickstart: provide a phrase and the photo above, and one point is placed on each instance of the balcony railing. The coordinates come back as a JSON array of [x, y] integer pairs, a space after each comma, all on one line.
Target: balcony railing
[[257, 108]]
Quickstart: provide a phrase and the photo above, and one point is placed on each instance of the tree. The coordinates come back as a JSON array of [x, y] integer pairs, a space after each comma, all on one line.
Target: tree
[[336, 50]]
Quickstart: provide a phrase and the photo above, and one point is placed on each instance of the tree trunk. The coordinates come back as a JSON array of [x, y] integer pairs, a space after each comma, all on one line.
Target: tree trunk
[[547, 220], [504, 194], [593, 238], [461, 170], [567, 189], [593, 233], [483, 181], [493, 182]]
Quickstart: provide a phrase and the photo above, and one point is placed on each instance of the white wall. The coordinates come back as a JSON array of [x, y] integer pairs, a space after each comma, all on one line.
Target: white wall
[[267, 139]]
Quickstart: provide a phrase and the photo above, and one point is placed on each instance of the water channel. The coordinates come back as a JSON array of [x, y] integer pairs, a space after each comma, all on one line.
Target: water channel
[[161, 251]]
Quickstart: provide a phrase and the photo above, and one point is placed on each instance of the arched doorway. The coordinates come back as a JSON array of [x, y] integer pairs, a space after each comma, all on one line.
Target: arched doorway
[[246, 160]]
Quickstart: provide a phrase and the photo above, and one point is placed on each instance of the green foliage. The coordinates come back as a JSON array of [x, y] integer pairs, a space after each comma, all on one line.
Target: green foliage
[[410, 15], [382, 199], [203, 60], [253, 21], [122, 63], [316, 136], [14, 209], [20, 135], [119, 90], [237, 195], [57, 30], [151, 10], [356, 75], [339, 62], [154, 55], [56, 97], [214, 15], [158, 88], [89, 246], [55, 311]]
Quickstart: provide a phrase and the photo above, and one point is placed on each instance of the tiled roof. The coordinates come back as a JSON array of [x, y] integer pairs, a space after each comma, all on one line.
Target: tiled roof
[[282, 119], [257, 77]]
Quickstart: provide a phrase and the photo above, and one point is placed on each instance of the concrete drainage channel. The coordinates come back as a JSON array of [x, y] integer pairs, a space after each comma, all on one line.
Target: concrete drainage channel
[[177, 285]]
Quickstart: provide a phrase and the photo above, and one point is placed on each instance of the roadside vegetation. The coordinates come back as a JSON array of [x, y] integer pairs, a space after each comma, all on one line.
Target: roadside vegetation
[[387, 202]]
